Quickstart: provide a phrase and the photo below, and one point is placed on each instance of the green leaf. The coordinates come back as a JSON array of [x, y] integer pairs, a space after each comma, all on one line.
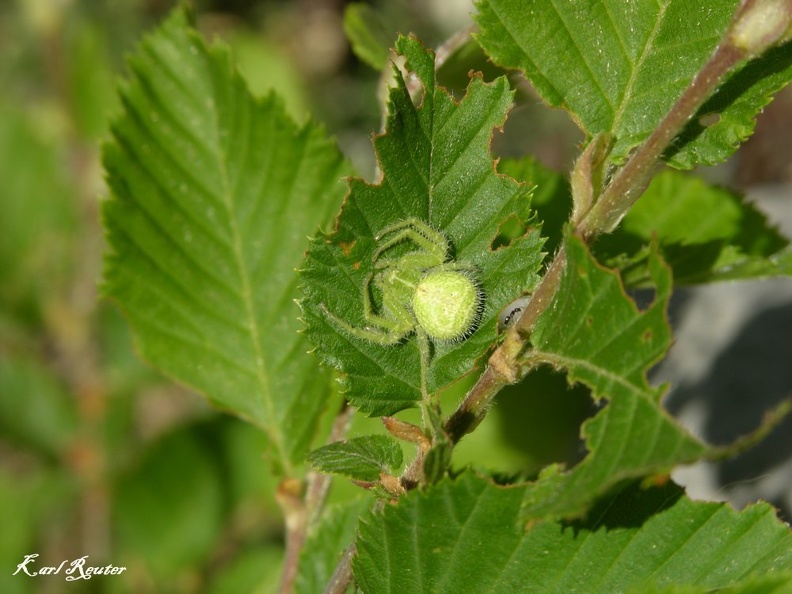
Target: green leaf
[[361, 458], [367, 34], [213, 194], [618, 67], [596, 333], [733, 241], [729, 117], [466, 536], [437, 168]]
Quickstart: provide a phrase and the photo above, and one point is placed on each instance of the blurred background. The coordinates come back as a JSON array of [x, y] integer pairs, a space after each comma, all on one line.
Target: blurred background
[[101, 455]]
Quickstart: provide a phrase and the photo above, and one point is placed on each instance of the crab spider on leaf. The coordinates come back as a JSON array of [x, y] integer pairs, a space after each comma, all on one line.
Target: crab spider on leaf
[[420, 290]]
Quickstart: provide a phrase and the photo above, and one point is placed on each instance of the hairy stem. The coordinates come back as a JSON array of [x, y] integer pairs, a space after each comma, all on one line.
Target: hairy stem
[[757, 26], [624, 189], [504, 368]]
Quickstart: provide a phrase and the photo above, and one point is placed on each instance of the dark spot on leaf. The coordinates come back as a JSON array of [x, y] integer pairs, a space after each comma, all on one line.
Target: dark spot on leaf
[[647, 336], [346, 247], [658, 480], [356, 265], [589, 321]]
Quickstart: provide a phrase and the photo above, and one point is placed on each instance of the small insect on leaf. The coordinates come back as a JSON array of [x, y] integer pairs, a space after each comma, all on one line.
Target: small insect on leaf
[[511, 313]]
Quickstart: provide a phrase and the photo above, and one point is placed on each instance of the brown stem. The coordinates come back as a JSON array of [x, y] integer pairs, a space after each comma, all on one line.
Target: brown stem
[[318, 482], [302, 510], [70, 306], [625, 188], [451, 45], [342, 576], [757, 25], [503, 366], [632, 179], [289, 497]]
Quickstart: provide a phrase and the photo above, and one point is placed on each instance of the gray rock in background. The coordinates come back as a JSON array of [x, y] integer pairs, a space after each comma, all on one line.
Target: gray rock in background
[[731, 362]]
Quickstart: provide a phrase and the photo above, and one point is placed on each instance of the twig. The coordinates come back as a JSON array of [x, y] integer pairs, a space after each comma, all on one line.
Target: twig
[[342, 576], [289, 497], [632, 179], [625, 188], [503, 368], [301, 510], [318, 482], [757, 26]]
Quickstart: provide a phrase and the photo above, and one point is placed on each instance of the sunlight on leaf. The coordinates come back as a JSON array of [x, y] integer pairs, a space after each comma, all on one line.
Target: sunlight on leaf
[[618, 67], [466, 536], [734, 241], [213, 194], [597, 334]]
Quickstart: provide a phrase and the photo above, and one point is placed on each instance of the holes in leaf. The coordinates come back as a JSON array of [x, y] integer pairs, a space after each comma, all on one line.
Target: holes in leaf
[[540, 420], [510, 229]]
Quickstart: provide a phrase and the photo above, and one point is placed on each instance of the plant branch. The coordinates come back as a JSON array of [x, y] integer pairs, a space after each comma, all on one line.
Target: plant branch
[[503, 368], [289, 497], [757, 26], [632, 179], [342, 576], [740, 42], [318, 483], [301, 511]]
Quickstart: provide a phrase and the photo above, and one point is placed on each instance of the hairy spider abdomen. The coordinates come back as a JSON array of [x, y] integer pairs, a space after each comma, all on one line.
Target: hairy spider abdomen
[[446, 304]]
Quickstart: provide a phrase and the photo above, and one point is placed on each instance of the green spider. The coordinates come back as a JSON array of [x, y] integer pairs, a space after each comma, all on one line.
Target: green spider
[[421, 291]]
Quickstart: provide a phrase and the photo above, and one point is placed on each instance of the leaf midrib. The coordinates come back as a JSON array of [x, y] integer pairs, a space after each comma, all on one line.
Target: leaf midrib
[[227, 196], [628, 88]]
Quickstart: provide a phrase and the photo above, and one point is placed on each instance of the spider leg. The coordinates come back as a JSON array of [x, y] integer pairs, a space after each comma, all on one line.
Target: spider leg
[[424, 243], [426, 238], [461, 266], [413, 261], [383, 337], [385, 329], [424, 348], [399, 320], [395, 303], [413, 223]]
